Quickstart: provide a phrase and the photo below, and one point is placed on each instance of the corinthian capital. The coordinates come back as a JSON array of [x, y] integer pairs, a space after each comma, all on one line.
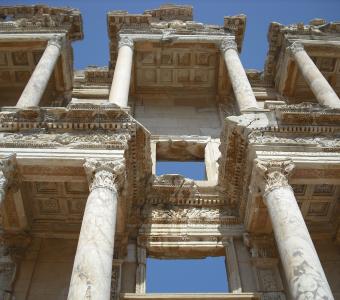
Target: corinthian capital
[[296, 47], [125, 41], [273, 174], [56, 40], [227, 44], [105, 173], [7, 174]]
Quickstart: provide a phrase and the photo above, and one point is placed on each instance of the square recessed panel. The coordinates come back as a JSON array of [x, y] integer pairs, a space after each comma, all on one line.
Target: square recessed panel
[[166, 59], [48, 205], [203, 59], [147, 58], [46, 187], [318, 209], [76, 205], [184, 59], [22, 76], [183, 76], [323, 190], [76, 187], [3, 59], [299, 189], [5, 77], [165, 75], [20, 58], [326, 64], [36, 56], [201, 76]]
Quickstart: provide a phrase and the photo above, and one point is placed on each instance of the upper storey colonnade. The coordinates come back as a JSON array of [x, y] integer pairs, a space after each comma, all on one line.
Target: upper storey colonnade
[[227, 43]]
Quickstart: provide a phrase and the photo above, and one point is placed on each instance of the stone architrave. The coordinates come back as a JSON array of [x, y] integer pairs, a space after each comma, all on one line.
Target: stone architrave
[[242, 89], [92, 269], [7, 174], [320, 87], [37, 84], [119, 93], [304, 273]]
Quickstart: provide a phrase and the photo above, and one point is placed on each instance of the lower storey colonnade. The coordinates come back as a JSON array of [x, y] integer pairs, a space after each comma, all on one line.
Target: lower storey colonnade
[[303, 271], [92, 269]]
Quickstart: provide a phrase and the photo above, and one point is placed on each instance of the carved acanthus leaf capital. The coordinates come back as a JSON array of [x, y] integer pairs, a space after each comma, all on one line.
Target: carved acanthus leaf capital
[[7, 174], [273, 174], [296, 47], [125, 41], [227, 44], [105, 173], [56, 40]]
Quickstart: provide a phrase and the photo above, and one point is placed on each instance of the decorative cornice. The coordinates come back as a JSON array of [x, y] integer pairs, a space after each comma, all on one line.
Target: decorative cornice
[[227, 44], [125, 41], [105, 174], [296, 47], [7, 174], [273, 174], [41, 18]]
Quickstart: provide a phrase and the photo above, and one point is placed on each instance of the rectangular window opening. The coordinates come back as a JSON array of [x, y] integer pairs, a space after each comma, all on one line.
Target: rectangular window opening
[[206, 275], [191, 169]]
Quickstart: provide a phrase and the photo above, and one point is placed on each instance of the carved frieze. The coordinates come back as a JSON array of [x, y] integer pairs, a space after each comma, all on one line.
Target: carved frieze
[[65, 140], [187, 214], [8, 174]]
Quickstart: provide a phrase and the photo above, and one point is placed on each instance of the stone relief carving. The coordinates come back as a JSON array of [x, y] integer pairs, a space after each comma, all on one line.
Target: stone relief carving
[[274, 173], [65, 140], [296, 47], [260, 137], [185, 214], [105, 174], [7, 174]]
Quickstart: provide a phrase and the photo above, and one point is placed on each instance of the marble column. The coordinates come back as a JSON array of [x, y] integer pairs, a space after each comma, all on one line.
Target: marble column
[[92, 269], [304, 273], [242, 89], [119, 93], [7, 174], [38, 81], [320, 87]]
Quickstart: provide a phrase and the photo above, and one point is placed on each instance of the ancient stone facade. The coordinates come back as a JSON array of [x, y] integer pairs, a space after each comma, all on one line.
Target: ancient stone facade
[[81, 206]]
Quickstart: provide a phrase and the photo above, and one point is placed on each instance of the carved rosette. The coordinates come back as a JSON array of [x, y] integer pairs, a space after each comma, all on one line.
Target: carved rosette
[[105, 174], [56, 40], [227, 44], [125, 41], [296, 47], [7, 174], [273, 174]]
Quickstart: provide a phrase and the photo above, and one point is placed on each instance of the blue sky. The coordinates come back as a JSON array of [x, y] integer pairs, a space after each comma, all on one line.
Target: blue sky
[[93, 50], [209, 274]]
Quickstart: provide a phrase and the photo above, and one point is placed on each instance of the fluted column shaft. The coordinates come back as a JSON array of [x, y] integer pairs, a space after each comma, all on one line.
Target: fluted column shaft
[[38, 81], [119, 93], [92, 269], [7, 174], [304, 273], [320, 87], [242, 89]]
